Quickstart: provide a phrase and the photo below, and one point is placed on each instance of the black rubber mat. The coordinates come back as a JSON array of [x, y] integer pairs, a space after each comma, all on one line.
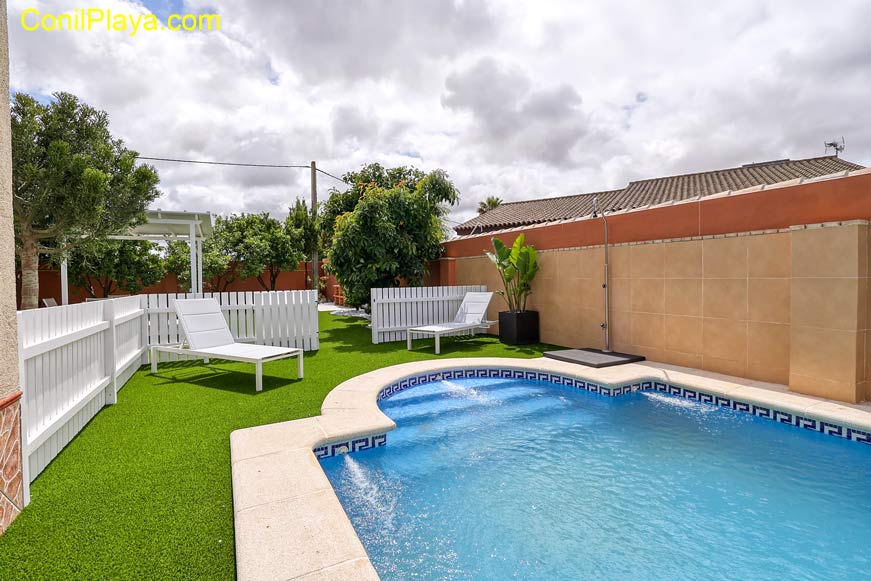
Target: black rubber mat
[[594, 357]]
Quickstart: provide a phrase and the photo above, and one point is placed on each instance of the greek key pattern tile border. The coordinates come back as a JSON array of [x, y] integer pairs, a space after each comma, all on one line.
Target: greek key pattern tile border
[[355, 445], [780, 416], [783, 417]]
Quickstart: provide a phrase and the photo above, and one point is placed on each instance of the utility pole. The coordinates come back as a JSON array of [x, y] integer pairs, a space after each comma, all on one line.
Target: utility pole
[[316, 271]]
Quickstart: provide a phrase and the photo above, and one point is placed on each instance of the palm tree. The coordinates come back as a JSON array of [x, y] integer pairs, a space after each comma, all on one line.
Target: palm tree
[[491, 203]]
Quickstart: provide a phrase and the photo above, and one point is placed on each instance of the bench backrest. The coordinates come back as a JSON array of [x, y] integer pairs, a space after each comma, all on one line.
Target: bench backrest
[[203, 323], [474, 308]]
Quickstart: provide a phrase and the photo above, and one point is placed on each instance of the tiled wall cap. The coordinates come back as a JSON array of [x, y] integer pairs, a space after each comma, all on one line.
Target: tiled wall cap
[[690, 238], [716, 196], [786, 184], [830, 225], [10, 399]]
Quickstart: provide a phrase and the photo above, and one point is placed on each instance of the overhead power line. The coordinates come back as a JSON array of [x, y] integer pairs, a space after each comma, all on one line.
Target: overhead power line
[[314, 188], [203, 162], [240, 164], [332, 176]]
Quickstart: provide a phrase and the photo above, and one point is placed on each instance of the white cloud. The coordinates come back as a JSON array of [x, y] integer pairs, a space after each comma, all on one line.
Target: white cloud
[[514, 99]]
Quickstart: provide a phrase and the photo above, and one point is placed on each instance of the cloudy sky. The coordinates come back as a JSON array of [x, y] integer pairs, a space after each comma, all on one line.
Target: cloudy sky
[[514, 99]]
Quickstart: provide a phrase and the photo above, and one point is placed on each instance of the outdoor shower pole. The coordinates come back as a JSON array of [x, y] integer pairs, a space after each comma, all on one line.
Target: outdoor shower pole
[[606, 326], [316, 279]]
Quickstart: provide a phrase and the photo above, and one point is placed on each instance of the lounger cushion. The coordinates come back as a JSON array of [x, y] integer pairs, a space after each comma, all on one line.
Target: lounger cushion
[[446, 327], [474, 308], [248, 351], [203, 323]]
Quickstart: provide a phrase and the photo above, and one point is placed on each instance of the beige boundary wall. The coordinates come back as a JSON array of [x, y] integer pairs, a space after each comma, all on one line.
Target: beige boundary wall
[[785, 306]]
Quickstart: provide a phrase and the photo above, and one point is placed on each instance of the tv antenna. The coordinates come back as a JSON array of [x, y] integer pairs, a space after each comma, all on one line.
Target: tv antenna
[[836, 145]]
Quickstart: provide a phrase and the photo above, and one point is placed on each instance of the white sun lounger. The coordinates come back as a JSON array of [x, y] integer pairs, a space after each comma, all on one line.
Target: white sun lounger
[[207, 336], [469, 317]]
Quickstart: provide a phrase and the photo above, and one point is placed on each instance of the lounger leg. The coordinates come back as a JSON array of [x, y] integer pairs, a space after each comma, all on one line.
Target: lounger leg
[[408, 339], [153, 360], [259, 366], [299, 365], [438, 344]]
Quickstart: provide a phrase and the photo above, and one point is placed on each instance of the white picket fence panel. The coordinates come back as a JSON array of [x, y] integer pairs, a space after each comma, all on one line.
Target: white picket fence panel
[[396, 309], [74, 359], [287, 319]]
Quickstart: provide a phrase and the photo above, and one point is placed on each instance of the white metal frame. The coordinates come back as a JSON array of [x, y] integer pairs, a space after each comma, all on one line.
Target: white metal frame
[[460, 322], [207, 354], [447, 330], [212, 339]]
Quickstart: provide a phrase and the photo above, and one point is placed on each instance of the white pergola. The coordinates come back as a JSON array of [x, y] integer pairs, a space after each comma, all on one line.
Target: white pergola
[[166, 225]]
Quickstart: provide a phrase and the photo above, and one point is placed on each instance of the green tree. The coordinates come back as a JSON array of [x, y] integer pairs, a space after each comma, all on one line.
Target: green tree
[[103, 267], [390, 236], [217, 270], [491, 203], [301, 224], [72, 182], [371, 175], [261, 246]]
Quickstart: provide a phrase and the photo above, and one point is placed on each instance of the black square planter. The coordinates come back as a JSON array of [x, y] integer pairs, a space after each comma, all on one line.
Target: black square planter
[[520, 328]]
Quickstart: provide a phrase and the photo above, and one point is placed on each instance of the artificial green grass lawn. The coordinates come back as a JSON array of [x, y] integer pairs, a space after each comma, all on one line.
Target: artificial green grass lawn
[[144, 491]]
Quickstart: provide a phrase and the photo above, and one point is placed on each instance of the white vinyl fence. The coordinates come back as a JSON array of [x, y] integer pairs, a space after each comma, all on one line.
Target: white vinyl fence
[[396, 309], [74, 359]]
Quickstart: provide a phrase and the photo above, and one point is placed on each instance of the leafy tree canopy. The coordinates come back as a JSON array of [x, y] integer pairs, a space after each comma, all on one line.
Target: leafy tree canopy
[[72, 181], [261, 246], [104, 267], [243, 246], [390, 235], [300, 222], [217, 270], [369, 176]]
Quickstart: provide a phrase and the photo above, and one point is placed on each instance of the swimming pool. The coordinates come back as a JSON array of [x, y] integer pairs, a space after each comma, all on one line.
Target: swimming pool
[[515, 478]]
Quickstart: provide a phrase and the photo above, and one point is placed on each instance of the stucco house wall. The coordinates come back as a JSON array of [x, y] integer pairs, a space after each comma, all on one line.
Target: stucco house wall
[[11, 489]]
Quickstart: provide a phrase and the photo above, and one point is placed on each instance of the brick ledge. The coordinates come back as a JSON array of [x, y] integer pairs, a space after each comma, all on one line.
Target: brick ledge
[[10, 399]]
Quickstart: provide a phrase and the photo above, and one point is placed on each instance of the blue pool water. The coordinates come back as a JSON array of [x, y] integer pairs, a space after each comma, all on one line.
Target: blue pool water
[[518, 479]]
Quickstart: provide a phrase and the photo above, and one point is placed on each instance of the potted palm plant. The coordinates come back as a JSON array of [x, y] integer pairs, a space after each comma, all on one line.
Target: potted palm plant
[[517, 267]]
